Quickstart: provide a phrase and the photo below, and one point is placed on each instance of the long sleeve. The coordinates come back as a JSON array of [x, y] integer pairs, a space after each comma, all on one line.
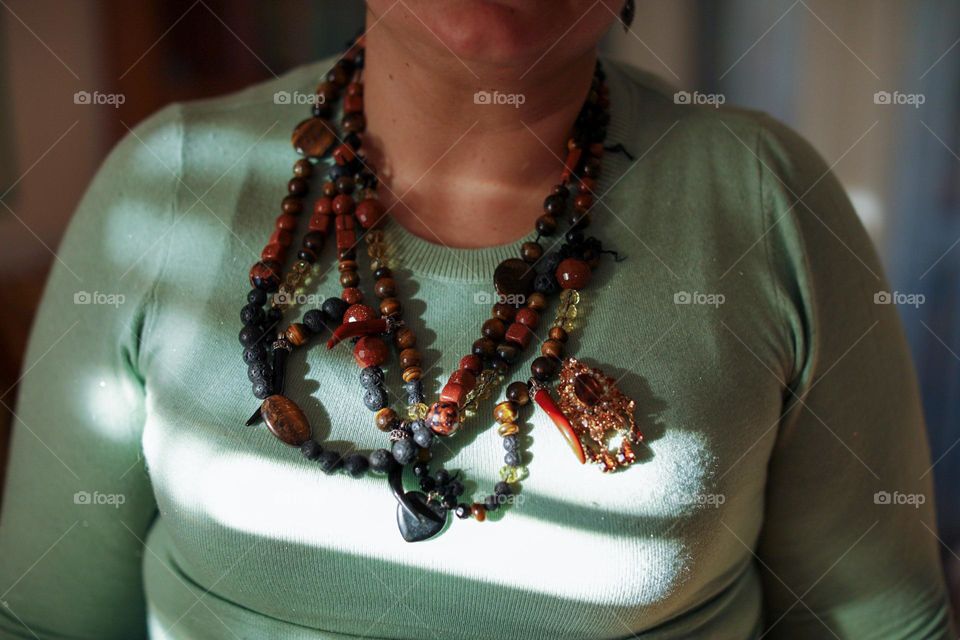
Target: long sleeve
[[78, 502], [848, 546]]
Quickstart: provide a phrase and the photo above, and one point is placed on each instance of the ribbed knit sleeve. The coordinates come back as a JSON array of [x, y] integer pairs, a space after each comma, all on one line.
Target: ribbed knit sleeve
[[78, 501], [848, 543]]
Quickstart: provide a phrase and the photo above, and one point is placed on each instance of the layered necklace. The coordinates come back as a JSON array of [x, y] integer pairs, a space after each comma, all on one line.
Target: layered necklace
[[590, 412]]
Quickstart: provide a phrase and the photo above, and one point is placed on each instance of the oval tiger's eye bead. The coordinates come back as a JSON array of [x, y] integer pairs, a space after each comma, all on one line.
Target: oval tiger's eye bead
[[443, 418], [390, 307], [552, 349], [385, 288], [409, 358], [297, 334], [531, 251], [370, 213], [405, 338], [537, 301], [527, 317], [352, 295], [370, 351], [265, 275], [385, 419], [343, 205], [472, 363], [508, 429], [573, 274], [464, 378], [519, 393], [558, 334], [505, 411], [519, 334], [503, 311], [508, 352], [411, 373], [479, 512], [285, 420], [359, 313], [453, 392], [313, 137], [493, 329]]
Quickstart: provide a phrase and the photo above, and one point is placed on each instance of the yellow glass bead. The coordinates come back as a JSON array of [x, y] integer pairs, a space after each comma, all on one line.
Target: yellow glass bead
[[376, 251], [508, 429], [292, 279], [417, 411], [375, 236], [568, 326], [301, 266], [571, 312], [512, 474], [505, 412]]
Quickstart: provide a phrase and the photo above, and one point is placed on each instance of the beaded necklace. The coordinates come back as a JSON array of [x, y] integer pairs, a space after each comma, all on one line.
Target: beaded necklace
[[348, 202]]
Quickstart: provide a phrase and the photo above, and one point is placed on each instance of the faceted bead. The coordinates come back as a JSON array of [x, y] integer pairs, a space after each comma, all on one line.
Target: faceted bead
[[285, 420], [443, 418], [573, 273], [370, 351]]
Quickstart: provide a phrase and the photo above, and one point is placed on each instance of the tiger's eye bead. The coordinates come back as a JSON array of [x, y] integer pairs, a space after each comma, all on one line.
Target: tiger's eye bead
[[505, 411], [409, 358], [484, 348], [359, 313], [531, 251], [543, 368], [349, 279], [527, 317], [503, 311], [508, 352], [405, 338], [508, 429], [385, 419], [297, 334], [558, 334], [370, 351], [313, 137], [546, 225], [385, 288], [493, 329], [537, 301], [552, 349], [443, 418], [390, 307], [519, 393], [352, 295], [573, 274], [285, 420], [471, 363], [479, 512], [411, 373]]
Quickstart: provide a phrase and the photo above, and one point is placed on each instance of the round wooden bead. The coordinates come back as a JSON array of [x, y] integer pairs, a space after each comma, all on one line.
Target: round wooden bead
[[302, 168], [531, 251], [573, 273], [292, 205], [359, 313], [385, 288], [493, 329], [297, 186], [543, 368], [385, 419], [285, 420], [518, 392], [443, 418], [558, 334], [370, 213], [313, 137], [349, 279], [546, 225], [484, 348], [405, 338], [552, 349], [370, 351], [390, 307], [409, 358], [537, 301]]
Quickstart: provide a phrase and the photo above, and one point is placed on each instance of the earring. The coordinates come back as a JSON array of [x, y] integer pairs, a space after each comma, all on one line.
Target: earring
[[627, 13]]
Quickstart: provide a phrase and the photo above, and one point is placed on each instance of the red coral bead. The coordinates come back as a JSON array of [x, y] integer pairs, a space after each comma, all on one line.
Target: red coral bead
[[519, 335], [370, 351], [320, 222], [573, 273], [472, 363], [370, 212], [344, 154], [281, 237], [453, 392], [273, 252], [323, 206], [464, 378], [286, 222], [528, 317], [358, 313]]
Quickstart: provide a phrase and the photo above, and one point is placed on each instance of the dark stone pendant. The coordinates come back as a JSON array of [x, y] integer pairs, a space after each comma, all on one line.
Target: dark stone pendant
[[414, 527]]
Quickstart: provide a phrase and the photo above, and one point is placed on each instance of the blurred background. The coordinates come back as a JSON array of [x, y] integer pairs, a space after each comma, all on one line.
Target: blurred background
[[873, 84]]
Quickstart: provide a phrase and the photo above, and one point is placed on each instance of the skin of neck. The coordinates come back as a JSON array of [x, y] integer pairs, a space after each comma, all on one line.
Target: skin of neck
[[455, 170]]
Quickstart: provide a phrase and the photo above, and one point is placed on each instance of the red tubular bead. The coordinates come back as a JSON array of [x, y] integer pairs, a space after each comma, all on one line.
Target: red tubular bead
[[273, 251], [527, 317], [281, 237], [464, 378], [320, 222], [286, 222], [323, 206], [353, 104], [370, 351], [573, 159], [354, 89], [519, 335], [453, 392], [343, 222], [472, 363], [346, 239]]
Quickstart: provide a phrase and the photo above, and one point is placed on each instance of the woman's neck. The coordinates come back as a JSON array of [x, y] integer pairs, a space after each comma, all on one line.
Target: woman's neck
[[457, 169]]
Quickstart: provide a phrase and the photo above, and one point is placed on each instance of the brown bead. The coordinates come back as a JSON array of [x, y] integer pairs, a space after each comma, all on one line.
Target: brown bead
[[409, 358], [329, 190], [513, 277], [346, 265], [471, 363], [370, 213], [411, 373], [385, 288], [292, 205], [328, 92], [265, 275], [286, 222], [519, 392], [370, 351], [527, 317], [443, 418], [558, 333], [508, 352], [546, 225], [313, 241], [552, 349], [519, 334], [297, 334], [465, 378], [302, 168], [504, 311], [531, 251], [454, 393], [587, 389], [405, 338], [385, 419], [352, 295], [493, 329], [505, 411], [543, 368], [285, 420], [573, 274], [582, 202], [484, 347], [349, 279], [479, 512], [390, 307], [354, 123], [343, 206], [537, 301], [313, 137], [359, 313], [297, 186]]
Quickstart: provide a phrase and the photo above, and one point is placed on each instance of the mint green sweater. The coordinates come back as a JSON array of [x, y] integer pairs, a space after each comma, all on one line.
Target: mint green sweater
[[137, 503]]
